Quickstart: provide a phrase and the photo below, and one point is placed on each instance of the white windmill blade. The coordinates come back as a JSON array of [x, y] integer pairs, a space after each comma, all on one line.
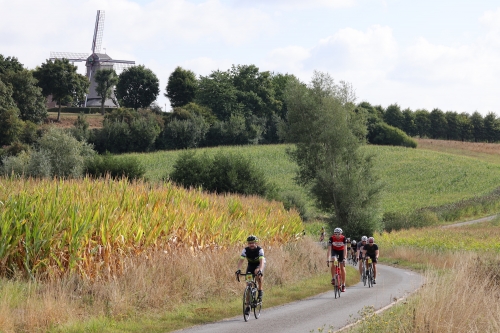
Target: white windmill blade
[[98, 32], [71, 56], [120, 67]]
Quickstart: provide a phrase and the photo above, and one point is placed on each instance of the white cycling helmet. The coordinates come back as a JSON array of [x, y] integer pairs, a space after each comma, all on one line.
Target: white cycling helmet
[[337, 230], [353, 242], [371, 240], [364, 239]]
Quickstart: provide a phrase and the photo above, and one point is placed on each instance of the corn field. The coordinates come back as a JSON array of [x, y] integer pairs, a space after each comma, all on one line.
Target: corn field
[[52, 227]]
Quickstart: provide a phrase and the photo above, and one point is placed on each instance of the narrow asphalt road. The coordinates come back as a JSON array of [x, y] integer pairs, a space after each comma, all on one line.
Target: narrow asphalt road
[[323, 310]]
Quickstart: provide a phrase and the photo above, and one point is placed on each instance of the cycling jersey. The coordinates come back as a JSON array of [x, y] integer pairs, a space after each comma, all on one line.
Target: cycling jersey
[[370, 250], [337, 243], [253, 255]]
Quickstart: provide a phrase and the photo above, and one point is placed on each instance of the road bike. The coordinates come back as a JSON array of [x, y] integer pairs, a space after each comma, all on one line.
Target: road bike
[[353, 258], [250, 298], [337, 288], [363, 271], [369, 272]]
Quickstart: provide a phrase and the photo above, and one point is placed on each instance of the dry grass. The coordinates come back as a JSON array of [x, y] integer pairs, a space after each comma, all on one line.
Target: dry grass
[[153, 284], [485, 151], [67, 120], [460, 295]]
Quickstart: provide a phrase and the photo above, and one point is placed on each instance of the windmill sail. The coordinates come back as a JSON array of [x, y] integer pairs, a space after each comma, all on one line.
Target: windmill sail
[[98, 32]]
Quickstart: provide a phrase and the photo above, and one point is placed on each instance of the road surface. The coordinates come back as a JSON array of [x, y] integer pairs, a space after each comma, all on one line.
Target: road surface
[[322, 310]]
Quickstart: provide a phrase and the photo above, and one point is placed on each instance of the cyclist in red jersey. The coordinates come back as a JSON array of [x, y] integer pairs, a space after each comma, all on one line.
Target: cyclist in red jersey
[[337, 248]]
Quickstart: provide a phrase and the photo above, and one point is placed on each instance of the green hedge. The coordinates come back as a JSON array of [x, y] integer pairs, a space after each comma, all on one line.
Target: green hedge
[[81, 110]]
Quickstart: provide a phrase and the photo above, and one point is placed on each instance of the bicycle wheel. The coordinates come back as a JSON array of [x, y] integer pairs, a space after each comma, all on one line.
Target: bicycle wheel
[[336, 290], [256, 309], [247, 299], [370, 277], [364, 275]]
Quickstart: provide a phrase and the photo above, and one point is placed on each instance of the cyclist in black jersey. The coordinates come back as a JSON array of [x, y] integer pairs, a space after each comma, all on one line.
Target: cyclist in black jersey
[[256, 262], [371, 250]]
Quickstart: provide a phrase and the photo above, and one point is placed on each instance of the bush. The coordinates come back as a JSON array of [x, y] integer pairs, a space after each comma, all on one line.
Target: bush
[[181, 134], [382, 134], [115, 167], [393, 221], [57, 154], [223, 173], [296, 201]]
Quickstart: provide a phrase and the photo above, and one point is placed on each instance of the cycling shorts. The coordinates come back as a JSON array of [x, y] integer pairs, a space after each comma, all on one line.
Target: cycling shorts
[[338, 254], [374, 259], [253, 266]]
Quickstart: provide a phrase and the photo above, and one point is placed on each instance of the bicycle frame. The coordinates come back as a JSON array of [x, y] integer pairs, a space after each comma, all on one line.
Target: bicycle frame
[[336, 287], [250, 296]]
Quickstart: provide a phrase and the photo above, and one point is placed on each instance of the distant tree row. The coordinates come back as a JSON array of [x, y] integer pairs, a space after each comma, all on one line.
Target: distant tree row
[[436, 124]]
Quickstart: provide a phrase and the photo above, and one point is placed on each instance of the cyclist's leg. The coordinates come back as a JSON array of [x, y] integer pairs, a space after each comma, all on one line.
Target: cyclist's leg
[[374, 260], [332, 266]]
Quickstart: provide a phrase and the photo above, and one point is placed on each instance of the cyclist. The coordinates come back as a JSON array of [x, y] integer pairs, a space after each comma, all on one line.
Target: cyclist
[[337, 248], [348, 240], [256, 263], [359, 255], [322, 234], [353, 249], [371, 250]]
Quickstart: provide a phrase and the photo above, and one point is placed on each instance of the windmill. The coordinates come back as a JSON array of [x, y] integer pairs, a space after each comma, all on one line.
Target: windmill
[[95, 62]]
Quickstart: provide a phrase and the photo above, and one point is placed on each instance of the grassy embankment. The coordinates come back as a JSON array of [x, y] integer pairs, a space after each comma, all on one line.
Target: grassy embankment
[[148, 298]]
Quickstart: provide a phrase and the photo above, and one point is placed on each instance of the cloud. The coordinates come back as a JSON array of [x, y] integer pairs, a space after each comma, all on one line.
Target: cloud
[[287, 60], [298, 4]]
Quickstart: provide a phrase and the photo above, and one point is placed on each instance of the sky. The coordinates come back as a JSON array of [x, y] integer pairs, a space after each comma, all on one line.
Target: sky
[[421, 54]]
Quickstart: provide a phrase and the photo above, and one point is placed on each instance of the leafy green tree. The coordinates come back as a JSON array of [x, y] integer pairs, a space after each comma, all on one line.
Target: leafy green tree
[[60, 79], [137, 87], [217, 92], [10, 64], [423, 123], [106, 79], [453, 127], [11, 126], [491, 129], [328, 134], [393, 116], [439, 125], [409, 122], [181, 87], [465, 127], [477, 122], [27, 95]]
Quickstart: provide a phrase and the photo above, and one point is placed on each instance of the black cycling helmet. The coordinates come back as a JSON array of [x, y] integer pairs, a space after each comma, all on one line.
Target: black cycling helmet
[[252, 238]]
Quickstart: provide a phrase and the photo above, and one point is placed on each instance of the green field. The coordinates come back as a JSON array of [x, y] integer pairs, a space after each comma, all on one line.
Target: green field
[[412, 178]]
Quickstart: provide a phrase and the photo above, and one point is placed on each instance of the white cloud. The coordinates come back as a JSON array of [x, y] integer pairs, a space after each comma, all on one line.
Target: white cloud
[[287, 60], [299, 4]]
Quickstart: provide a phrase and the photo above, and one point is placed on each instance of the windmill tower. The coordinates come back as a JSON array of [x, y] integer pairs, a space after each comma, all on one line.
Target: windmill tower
[[95, 62]]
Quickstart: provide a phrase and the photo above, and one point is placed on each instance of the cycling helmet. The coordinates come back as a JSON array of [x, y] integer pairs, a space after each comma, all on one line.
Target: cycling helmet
[[353, 242], [371, 240], [348, 239], [364, 239], [252, 238], [337, 230]]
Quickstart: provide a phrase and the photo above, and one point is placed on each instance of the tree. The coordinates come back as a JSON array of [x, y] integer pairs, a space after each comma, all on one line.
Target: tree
[[393, 116], [465, 127], [10, 64], [27, 95], [181, 87], [477, 122], [106, 79], [217, 92], [137, 87], [60, 79], [490, 127], [328, 134], [453, 122], [423, 123], [439, 125]]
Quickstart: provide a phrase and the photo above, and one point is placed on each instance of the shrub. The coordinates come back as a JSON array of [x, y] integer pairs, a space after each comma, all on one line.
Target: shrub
[[57, 154], [382, 134], [181, 134], [115, 167], [296, 201], [223, 173]]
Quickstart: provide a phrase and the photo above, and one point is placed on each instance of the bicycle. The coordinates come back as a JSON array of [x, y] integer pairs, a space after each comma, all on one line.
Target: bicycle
[[369, 272], [337, 288], [354, 258], [250, 299], [363, 271]]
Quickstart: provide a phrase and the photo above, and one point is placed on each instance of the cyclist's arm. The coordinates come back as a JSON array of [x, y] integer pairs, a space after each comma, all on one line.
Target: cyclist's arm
[[329, 252], [376, 254], [261, 263], [240, 262]]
